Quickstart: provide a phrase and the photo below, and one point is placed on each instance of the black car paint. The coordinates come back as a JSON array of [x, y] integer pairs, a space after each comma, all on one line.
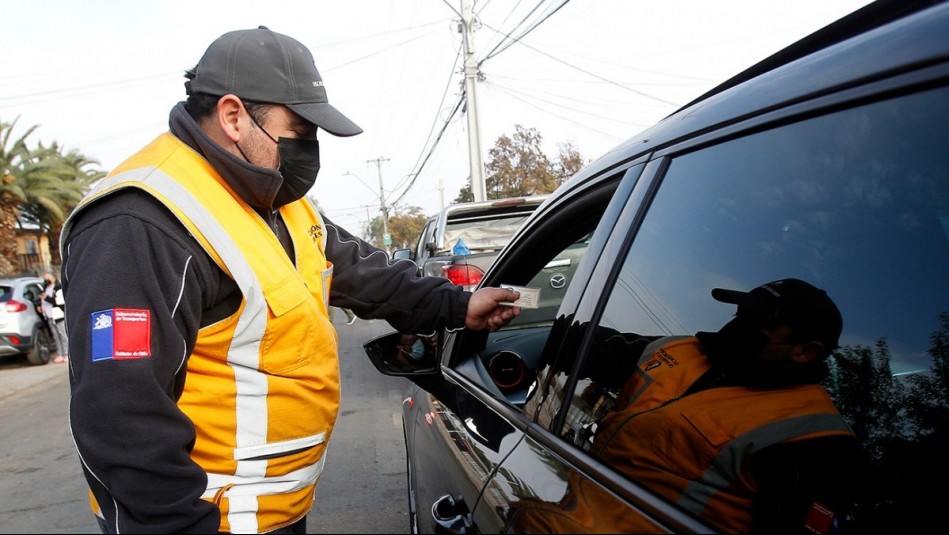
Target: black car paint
[[899, 58]]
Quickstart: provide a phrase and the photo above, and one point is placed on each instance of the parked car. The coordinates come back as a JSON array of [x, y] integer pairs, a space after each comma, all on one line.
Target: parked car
[[827, 162], [22, 328], [462, 240]]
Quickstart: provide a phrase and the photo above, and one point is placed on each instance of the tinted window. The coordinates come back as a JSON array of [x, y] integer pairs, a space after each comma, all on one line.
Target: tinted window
[[855, 202]]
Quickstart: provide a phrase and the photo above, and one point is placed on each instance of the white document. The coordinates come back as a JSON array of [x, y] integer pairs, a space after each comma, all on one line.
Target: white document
[[530, 297]]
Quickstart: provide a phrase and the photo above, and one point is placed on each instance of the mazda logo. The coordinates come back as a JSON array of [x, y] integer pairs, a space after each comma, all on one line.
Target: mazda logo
[[558, 281]]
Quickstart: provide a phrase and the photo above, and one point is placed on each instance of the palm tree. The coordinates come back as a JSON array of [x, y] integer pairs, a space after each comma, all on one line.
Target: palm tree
[[13, 156], [40, 185], [57, 184]]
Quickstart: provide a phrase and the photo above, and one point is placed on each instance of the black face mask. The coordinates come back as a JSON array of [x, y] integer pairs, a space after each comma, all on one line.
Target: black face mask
[[299, 165], [739, 339], [734, 349]]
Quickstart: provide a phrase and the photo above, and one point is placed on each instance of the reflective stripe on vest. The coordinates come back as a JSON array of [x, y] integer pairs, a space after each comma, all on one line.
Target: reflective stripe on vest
[[253, 444], [691, 449], [726, 468]]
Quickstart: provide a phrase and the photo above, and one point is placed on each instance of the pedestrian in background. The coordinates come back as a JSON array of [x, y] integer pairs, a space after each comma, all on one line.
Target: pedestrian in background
[[205, 373], [53, 307], [350, 316]]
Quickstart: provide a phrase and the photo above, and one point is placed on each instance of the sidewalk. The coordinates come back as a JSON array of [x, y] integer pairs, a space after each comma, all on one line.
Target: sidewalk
[[17, 375]]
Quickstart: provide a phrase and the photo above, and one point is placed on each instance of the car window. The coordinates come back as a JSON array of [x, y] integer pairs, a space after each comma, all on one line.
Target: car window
[[424, 238], [6, 293], [855, 202], [546, 260], [482, 233], [32, 291]]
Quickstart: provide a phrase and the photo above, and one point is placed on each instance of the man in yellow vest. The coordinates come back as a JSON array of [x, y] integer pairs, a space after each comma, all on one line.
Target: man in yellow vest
[[204, 377], [734, 425]]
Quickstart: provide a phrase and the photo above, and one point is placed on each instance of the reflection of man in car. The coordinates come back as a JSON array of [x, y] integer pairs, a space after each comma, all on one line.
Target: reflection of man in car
[[415, 352], [734, 425]]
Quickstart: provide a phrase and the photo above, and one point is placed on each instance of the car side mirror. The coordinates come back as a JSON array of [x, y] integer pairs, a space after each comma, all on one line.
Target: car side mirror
[[431, 247], [402, 254], [406, 355]]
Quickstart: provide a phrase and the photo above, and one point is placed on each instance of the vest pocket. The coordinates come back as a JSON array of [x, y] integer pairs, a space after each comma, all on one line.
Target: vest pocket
[[713, 431], [285, 295], [327, 277], [287, 343], [278, 449]]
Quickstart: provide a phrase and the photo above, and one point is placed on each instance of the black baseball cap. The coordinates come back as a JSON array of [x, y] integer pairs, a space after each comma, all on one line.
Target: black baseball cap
[[264, 66], [807, 309]]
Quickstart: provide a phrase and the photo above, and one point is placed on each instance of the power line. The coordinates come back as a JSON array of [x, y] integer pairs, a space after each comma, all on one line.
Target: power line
[[461, 100], [434, 122], [597, 76], [497, 49]]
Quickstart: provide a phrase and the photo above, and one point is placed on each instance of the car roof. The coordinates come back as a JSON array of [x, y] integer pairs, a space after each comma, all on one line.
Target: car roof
[[14, 280], [880, 40]]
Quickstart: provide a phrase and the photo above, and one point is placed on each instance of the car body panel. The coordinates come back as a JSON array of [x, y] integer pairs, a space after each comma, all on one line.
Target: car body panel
[[23, 331], [830, 166]]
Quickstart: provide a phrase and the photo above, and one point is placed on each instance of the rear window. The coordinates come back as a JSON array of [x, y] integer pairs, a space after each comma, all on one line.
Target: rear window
[[6, 293], [482, 234]]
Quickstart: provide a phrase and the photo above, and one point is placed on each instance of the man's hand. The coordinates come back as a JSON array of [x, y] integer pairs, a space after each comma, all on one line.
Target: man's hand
[[485, 312]]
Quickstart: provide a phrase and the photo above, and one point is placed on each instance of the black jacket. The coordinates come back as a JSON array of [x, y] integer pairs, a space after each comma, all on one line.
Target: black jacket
[[130, 251]]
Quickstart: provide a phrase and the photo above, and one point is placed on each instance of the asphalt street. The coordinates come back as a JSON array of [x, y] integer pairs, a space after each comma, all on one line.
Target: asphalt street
[[362, 489]]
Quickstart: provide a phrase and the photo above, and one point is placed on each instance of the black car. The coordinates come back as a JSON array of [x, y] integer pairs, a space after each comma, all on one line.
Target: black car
[[828, 162]]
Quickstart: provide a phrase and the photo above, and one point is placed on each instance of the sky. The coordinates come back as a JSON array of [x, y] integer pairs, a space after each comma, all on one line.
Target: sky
[[100, 76]]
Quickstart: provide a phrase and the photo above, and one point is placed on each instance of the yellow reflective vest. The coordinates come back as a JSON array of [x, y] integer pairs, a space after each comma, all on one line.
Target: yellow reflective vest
[[262, 386], [692, 449]]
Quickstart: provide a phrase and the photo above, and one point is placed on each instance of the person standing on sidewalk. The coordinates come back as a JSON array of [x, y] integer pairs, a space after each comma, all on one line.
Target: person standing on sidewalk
[[53, 307]]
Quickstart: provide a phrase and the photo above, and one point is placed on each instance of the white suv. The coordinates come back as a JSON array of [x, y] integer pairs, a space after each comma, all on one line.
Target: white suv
[[22, 328]]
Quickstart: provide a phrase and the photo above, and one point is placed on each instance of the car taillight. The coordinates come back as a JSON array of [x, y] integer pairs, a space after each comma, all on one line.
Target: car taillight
[[463, 275], [15, 340], [15, 306]]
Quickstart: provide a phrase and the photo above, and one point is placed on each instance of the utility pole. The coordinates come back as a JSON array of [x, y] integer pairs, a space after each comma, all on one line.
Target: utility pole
[[386, 237], [471, 101]]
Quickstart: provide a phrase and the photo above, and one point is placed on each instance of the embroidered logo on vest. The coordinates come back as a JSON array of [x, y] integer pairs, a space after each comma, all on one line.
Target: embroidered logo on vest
[[315, 232], [666, 358]]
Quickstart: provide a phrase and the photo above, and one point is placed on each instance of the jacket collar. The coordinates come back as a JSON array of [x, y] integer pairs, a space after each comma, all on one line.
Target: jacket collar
[[256, 186]]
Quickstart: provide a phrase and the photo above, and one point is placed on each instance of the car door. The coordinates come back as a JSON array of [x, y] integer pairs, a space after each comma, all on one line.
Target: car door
[[555, 254], [543, 485], [852, 196]]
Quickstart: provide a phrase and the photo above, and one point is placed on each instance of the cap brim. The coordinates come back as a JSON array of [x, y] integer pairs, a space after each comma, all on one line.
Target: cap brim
[[745, 300], [326, 117]]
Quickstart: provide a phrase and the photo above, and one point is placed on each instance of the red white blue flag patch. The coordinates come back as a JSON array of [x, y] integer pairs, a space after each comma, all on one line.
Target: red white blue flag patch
[[121, 334]]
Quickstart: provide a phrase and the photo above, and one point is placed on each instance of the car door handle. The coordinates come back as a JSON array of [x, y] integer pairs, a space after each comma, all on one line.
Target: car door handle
[[451, 515]]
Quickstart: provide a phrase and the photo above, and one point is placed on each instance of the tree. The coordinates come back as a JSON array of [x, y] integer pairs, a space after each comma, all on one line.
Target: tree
[[40, 185], [14, 155], [404, 228], [517, 167], [53, 193], [902, 424]]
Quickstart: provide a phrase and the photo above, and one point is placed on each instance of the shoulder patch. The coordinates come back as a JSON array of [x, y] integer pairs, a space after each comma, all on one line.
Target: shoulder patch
[[121, 334]]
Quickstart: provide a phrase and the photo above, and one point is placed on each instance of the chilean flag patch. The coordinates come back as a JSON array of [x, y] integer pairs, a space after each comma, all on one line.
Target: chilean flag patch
[[121, 334]]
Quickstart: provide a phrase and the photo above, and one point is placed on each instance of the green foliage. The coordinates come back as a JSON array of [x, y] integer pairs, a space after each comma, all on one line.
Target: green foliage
[[517, 167], [404, 227], [902, 423], [40, 184]]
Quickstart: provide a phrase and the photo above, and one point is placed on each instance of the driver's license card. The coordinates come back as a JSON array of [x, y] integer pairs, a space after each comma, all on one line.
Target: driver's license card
[[530, 297]]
